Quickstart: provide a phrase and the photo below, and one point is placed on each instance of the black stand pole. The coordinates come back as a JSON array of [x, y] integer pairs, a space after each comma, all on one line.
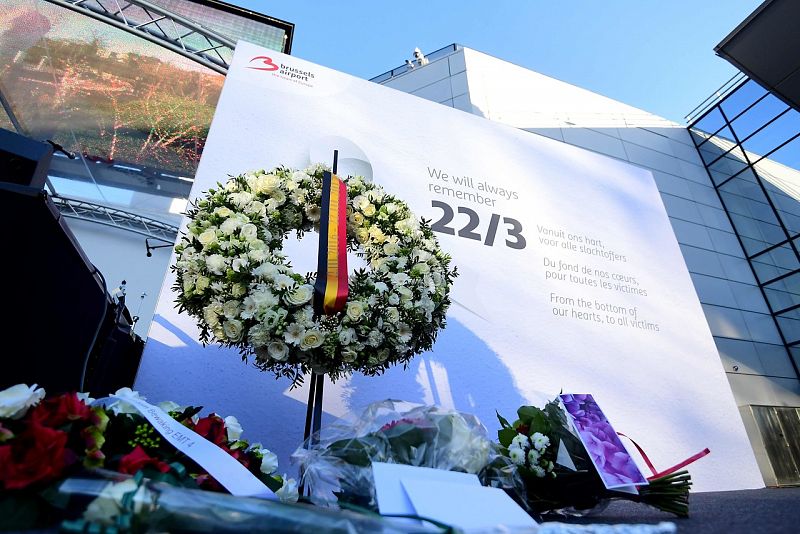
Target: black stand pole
[[314, 405]]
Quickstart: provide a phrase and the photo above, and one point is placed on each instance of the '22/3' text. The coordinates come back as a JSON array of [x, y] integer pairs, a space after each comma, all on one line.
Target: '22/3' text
[[513, 227]]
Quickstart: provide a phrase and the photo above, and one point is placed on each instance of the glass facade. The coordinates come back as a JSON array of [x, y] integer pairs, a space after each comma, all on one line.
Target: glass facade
[[749, 142], [135, 113]]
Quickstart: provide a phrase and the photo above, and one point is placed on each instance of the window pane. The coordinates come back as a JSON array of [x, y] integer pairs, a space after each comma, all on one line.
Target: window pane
[[717, 145], [709, 124], [743, 97], [757, 116], [790, 325], [766, 140], [731, 163], [784, 293], [787, 156], [775, 263]]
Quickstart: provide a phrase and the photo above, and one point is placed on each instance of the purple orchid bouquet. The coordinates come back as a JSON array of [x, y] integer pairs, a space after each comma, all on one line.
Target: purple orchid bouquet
[[562, 476]]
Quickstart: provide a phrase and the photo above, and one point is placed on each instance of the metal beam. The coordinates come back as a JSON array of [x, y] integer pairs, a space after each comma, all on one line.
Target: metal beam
[[148, 21], [116, 218]]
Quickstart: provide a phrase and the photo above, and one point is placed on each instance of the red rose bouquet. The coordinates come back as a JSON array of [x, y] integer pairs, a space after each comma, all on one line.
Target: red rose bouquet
[[44, 440]]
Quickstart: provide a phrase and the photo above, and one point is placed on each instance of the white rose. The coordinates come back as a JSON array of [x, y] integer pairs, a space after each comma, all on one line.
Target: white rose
[[233, 329], [269, 462], [223, 212], [241, 199], [300, 296], [256, 207], [208, 237], [391, 248], [216, 263], [312, 339], [278, 351], [394, 300], [211, 314], [355, 310], [201, 284], [369, 210], [233, 428], [249, 232], [231, 309], [392, 314], [120, 406], [267, 183], [288, 492], [15, 401]]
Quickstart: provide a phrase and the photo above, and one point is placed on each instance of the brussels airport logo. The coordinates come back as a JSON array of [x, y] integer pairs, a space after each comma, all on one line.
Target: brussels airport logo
[[265, 63]]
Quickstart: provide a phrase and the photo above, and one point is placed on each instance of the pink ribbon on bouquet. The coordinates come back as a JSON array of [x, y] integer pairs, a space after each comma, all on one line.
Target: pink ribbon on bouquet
[[659, 474]]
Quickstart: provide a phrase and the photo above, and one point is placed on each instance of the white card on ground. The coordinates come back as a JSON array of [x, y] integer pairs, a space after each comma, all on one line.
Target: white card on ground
[[465, 507], [392, 498]]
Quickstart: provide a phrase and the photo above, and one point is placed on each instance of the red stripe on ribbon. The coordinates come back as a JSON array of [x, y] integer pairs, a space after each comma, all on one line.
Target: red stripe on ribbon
[[342, 288]]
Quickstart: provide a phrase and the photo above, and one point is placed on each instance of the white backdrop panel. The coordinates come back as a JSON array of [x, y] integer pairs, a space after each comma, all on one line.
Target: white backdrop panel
[[597, 301]]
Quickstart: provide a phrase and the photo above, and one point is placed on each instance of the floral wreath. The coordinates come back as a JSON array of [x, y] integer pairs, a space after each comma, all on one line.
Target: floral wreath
[[233, 277]]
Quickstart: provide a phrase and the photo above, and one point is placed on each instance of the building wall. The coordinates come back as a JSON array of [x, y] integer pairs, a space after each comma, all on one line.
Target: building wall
[[754, 358]]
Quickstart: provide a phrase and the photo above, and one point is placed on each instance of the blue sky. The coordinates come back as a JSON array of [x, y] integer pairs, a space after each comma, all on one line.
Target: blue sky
[[655, 55]]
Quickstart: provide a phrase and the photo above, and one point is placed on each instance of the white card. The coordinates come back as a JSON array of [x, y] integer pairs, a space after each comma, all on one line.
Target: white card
[[466, 507], [392, 498]]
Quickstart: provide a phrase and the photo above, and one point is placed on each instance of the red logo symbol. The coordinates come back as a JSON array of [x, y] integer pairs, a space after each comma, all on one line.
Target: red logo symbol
[[266, 61]]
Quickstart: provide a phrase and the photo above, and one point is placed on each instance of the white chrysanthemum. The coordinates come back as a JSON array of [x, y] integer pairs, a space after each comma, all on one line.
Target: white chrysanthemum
[[283, 281], [216, 264], [294, 333], [517, 456], [520, 441], [533, 457], [313, 212], [538, 471], [540, 441]]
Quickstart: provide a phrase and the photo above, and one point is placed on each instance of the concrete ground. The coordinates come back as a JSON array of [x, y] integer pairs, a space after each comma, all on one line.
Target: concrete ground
[[769, 510]]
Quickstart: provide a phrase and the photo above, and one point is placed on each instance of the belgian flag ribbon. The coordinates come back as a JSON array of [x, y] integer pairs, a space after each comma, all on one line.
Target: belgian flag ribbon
[[330, 289]]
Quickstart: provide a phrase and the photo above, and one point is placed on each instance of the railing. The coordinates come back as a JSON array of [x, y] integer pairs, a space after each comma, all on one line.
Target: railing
[[116, 218], [726, 88], [402, 69], [159, 26]]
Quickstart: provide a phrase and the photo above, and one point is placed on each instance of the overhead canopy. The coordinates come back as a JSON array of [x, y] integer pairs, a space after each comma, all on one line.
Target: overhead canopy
[[766, 47]]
